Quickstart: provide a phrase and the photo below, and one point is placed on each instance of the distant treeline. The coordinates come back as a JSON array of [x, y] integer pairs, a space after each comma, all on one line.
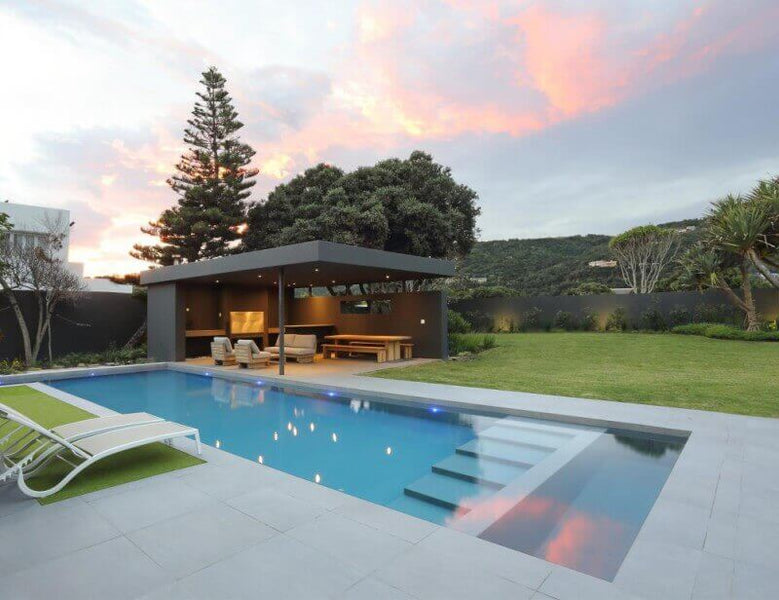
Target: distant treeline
[[550, 266]]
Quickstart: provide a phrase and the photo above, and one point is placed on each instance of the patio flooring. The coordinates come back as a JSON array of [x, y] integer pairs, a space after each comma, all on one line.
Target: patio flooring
[[321, 367], [232, 528]]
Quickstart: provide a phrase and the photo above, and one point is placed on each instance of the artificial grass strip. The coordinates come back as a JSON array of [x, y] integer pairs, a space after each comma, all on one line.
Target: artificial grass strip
[[124, 467]]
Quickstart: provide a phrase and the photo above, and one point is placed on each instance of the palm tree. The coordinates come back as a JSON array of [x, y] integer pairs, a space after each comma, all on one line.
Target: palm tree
[[737, 226], [765, 254], [705, 267]]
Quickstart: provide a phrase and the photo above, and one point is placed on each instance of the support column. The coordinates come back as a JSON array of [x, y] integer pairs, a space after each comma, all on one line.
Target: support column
[[280, 341]]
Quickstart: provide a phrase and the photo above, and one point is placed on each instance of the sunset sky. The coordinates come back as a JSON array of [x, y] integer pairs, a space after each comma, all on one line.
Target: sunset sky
[[583, 116]]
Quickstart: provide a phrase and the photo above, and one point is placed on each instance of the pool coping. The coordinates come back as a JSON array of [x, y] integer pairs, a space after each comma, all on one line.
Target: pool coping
[[702, 517]]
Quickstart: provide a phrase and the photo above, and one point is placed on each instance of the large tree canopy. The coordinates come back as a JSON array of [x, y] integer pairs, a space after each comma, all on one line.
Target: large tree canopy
[[212, 181], [412, 206], [642, 255]]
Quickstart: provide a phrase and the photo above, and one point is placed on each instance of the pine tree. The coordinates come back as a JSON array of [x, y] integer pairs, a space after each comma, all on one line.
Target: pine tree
[[212, 181]]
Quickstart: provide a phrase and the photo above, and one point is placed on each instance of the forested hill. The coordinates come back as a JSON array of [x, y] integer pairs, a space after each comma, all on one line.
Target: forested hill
[[548, 265]]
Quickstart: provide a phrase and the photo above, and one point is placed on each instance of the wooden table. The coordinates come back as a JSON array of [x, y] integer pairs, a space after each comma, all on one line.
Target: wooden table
[[390, 342]]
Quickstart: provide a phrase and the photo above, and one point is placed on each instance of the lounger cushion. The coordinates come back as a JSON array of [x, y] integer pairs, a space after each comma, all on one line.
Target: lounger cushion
[[132, 436], [99, 424]]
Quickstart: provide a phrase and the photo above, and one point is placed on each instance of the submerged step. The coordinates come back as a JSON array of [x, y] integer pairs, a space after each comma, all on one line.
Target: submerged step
[[422, 509], [448, 492], [527, 437], [472, 468], [506, 452]]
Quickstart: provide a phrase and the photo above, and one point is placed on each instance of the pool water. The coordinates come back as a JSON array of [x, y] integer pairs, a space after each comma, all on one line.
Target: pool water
[[573, 495]]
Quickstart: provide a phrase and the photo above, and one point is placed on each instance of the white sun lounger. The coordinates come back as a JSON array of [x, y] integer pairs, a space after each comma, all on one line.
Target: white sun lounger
[[89, 449], [69, 431]]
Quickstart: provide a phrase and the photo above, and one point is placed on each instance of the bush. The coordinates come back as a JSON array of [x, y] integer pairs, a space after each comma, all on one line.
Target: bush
[[691, 329], [9, 367], [652, 319], [617, 320], [565, 320], [111, 355], [589, 321], [457, 323], [478, 320], [726, 332], [531, 319], [715, 313], [470, 342], [679, 315]]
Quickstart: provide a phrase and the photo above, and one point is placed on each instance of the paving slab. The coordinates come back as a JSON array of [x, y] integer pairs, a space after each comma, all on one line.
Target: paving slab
[[197, 539], [114, 569]]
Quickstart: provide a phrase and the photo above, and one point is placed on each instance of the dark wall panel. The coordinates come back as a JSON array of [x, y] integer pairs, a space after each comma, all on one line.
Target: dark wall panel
[[97, 320], [408, 311], [505, 312]]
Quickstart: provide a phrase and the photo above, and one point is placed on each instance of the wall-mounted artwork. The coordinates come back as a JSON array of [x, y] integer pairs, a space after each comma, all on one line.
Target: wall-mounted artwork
[[249, 322]]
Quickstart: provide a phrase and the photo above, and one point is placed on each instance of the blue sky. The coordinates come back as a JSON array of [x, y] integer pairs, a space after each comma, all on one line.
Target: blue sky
[[566, 117]]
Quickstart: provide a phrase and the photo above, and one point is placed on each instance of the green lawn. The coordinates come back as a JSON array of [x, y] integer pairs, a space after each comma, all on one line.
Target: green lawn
[[666, 369], [132, 465]]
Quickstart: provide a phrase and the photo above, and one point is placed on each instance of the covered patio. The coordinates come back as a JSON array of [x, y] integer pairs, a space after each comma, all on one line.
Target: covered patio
[[252, 296]]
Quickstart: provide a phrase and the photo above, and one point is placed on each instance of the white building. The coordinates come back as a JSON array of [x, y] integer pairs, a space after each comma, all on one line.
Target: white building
[[30, 224]]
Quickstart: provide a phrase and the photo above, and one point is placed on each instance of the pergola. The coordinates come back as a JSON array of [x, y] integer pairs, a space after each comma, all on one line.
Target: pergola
[[252, 277]]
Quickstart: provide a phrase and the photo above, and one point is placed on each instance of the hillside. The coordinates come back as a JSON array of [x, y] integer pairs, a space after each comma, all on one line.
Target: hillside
[[548, 265]]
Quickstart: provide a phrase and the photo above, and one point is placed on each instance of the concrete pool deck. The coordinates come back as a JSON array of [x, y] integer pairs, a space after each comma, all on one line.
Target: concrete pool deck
[[232, 528]]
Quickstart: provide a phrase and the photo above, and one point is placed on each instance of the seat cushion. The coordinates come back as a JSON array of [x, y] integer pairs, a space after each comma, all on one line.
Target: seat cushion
[[290, 339], [297, 351], [253, 348], [305, 341], [225, 341]]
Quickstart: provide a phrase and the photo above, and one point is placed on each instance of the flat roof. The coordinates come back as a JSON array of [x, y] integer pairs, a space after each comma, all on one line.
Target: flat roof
[[316, 263]]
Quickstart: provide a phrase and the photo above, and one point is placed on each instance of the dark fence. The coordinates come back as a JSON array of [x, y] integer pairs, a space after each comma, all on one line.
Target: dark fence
[[538, 312], [90, 325]]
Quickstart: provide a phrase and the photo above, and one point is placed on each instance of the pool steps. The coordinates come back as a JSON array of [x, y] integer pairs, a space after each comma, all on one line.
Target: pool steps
[[480, 468]]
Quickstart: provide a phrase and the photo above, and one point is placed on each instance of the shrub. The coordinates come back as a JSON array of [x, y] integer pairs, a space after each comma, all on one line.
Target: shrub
[[457, 323], [564, 320], [9, 367], [479, 320], [691, 329], [617, 320], [531, 319], [652, 319], [726, 332], [715, 313], [679, 315], [470, 342], [589, 321]]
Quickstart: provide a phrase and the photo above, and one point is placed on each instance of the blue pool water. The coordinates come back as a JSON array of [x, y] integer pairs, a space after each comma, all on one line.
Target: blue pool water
[[441, 465]]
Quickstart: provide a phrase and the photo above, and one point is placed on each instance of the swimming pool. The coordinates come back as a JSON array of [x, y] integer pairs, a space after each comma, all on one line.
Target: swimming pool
[[573, 495]]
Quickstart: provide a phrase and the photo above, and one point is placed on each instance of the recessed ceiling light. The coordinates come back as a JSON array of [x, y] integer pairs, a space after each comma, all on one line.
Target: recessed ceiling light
[[217, 281], [259, 276], [316, 270], [386, 276]]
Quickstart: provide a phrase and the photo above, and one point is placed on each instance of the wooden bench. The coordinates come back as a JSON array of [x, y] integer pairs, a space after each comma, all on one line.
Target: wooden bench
[[332, 350], [406, 348]]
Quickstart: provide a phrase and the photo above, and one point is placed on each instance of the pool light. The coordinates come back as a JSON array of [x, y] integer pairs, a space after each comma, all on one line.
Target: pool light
[[218, 444], [311, 426], [334, 437], [317, 478], [275, 436], [388, 451], [260, 459], [434, 409]]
